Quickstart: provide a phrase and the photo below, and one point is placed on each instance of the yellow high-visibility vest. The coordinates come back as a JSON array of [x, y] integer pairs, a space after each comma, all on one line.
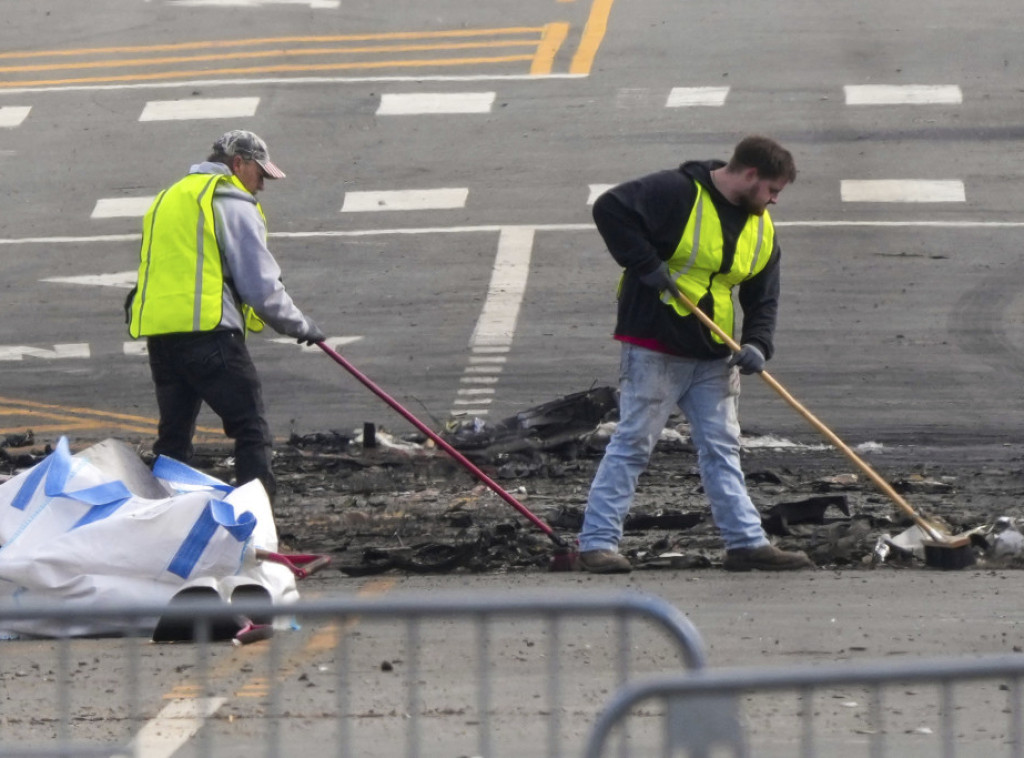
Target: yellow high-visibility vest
[[695, 265], [181, 277]]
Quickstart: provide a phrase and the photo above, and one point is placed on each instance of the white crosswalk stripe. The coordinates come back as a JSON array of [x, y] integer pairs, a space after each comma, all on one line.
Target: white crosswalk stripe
[[910, 94], [405, 200], [427, 103], [687, 97], [902, 191], [199, 108], [13, 115]]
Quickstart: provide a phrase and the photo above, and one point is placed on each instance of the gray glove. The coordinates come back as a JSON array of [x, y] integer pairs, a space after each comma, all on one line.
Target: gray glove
[[750, 359], [660, 279], [312, 335]]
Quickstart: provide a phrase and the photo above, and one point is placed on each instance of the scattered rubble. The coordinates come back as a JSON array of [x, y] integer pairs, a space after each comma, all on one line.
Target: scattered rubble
[[405, 506]]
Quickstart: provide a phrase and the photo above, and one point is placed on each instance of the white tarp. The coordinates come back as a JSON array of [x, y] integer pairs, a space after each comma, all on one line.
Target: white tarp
[[99, 527]]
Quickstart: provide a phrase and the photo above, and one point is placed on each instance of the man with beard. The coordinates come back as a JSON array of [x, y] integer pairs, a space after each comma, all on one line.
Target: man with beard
[[701, 230]]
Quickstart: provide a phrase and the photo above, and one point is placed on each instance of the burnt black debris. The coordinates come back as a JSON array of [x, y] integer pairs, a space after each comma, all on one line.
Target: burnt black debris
[[16, 451], [809, 499], [406, 506], [811, 510], [548, 427]]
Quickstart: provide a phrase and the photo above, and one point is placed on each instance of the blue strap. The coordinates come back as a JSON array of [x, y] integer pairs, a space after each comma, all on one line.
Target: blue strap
[[104, 499], [59, 469], [216, 514], [56, 468], [224, 514], [28, 488], [176, 472]]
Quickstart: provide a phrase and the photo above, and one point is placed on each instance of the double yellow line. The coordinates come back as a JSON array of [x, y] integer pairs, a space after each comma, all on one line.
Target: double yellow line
[[17, 416], [296, 55]]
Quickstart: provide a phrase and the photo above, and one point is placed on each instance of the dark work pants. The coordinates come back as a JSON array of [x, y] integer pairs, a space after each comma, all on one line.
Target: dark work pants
[[215, 368]]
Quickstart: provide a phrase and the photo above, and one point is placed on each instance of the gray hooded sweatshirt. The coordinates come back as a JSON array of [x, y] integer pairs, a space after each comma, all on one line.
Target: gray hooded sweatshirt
[[251, 275]]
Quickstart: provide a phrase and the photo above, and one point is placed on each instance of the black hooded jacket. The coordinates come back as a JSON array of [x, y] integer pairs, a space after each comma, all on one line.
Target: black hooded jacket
[[642, 222]]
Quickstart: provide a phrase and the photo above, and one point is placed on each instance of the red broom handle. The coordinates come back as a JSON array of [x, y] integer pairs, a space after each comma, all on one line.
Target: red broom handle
[[468, 464]]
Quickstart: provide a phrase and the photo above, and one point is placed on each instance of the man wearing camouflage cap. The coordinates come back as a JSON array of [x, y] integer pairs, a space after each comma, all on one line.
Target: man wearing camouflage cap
[[206, 277]]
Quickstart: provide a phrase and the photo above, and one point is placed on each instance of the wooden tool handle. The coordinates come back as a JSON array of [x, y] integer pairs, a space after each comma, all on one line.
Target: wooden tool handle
[[932, 532]]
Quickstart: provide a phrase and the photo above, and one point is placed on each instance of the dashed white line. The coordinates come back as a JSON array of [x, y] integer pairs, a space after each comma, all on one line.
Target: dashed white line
[[596, 190], [185, 110], [490, 352], [492, 336], [488, 359], [124, 279], [405, 200], [500, 312], [122, 207], [13, 115], [175, 725], [18, 352], [430, 103], [689, 97], [906, 94], [335, 343], [902, 191]]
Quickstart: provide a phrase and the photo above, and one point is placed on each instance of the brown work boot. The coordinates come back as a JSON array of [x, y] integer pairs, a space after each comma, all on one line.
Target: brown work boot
[[604, 562], [765, 558]]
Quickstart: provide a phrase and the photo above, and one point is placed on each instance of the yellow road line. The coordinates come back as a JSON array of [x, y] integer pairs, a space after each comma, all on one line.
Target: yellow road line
[[545, 42], [552, 39], [76, 426], [71, 409], [24, 412], [268, 54], [321, 641], [276, 40], [593, 35], [64, 422], [70, 416], [271, 69]]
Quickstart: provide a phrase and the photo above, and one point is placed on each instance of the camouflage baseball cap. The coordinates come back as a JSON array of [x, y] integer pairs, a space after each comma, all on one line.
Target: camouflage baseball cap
[[248, 145]]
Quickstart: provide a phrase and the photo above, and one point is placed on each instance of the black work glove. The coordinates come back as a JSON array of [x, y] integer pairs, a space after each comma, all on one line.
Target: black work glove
[[750, 359], [660, 279], [312, 335]]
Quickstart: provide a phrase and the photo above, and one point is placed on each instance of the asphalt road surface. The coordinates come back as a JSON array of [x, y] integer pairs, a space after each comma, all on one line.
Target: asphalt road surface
[[491, 130], [442, 156]]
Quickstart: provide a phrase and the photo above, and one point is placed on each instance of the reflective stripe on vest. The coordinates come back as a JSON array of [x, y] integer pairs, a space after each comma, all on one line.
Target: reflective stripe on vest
[[696, 264], [181, 276]]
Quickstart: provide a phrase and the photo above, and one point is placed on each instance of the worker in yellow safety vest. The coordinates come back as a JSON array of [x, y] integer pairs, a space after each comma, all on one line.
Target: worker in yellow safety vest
[[704, 231], [206, 278]]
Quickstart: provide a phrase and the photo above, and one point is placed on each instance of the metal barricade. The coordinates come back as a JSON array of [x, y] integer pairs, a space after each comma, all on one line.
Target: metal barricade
[[909, 709], [435, 674]]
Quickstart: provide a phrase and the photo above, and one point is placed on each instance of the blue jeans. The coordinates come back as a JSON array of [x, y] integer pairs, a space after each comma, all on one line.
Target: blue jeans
[[651, 385]]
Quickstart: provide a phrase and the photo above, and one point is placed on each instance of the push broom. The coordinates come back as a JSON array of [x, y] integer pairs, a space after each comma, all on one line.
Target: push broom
[[564, 557], [941, 550]]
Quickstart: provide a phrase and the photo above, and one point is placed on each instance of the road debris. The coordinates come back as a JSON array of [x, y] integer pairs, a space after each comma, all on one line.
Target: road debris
[[567, 421], [405, 507]]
